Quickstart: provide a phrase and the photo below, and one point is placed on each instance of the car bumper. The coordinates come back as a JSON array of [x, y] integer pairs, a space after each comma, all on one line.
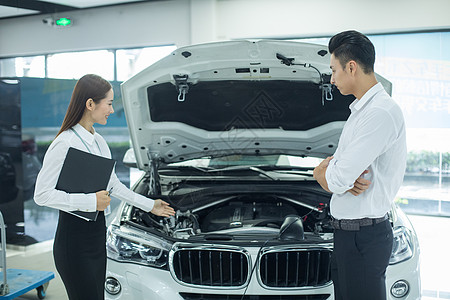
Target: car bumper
[[408, 271], [140, 282]]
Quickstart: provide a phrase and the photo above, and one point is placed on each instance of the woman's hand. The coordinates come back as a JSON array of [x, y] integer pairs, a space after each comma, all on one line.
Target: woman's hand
[[162, 208], [103, 200]]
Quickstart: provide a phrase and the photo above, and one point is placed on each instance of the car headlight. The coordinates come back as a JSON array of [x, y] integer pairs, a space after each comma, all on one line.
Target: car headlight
[[402, 248], [135, 246]]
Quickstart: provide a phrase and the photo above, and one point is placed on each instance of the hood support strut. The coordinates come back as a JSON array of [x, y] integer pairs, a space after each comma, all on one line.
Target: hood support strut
[[154, 185]]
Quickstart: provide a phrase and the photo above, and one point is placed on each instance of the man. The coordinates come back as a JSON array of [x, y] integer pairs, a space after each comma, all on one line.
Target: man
[[365, 172]]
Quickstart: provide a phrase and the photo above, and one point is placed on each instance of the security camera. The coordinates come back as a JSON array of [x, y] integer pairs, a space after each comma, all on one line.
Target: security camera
[[49, 21]]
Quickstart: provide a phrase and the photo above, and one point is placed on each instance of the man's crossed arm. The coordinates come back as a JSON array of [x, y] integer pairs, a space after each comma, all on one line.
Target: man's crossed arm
[[359, 186]]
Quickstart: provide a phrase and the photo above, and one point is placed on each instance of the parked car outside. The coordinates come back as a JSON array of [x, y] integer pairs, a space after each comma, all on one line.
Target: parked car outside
[[228, 133]]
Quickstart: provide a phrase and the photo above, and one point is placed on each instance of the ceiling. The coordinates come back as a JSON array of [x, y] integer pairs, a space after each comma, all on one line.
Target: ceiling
[[18, 8]]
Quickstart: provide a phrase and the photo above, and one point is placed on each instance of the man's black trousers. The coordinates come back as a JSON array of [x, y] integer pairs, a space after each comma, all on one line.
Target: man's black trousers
[[359, 262]]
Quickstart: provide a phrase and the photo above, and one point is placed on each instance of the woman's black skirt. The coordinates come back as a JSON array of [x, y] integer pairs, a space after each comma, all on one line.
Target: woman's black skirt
[[79, 251]]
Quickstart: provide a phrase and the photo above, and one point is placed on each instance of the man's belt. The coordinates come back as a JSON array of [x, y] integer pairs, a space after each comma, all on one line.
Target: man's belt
[[355, 224]]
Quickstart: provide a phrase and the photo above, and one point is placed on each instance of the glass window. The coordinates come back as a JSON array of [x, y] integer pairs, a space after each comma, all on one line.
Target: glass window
[[29, 66], [418, 65], [131, 61], [74, 65]]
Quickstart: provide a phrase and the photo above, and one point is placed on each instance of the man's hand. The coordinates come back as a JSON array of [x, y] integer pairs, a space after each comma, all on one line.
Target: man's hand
[[162, 208], [319, 173], [360, 185], [103, 200]]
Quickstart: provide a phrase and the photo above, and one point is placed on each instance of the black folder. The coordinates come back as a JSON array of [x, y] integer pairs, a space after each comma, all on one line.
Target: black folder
[[83, 172]]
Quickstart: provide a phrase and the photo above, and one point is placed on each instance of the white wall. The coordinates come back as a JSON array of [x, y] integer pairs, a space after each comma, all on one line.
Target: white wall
[[183, 22], [306, 18], [143, 24]]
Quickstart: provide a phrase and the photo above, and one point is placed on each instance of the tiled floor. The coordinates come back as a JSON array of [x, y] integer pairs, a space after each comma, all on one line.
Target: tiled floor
[[432, 232], [37, 257]]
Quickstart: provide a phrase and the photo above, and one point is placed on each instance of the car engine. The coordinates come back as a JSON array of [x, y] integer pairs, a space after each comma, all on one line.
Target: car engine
[[237, 214]]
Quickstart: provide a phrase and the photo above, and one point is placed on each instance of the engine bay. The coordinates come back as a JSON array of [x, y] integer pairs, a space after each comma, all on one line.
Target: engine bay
[[252, 213]]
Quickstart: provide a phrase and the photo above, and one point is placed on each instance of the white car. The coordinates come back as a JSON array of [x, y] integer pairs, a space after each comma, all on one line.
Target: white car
[[228, 133]]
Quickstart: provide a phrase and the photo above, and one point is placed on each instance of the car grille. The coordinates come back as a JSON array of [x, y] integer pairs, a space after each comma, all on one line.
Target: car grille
[[191, 296], [217, 268], [296, 268]]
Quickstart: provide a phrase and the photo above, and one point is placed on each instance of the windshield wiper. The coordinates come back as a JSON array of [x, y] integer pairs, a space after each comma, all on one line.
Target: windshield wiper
[[294, 170], [255, 169], [265, 168], [190, 168], [242, 168], [261, 169]]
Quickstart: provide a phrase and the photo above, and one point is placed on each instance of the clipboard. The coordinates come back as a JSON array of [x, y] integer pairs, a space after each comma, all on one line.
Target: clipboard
[[85, 173]]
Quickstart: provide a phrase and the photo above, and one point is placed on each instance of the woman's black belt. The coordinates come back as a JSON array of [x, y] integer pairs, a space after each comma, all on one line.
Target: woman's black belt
[[355, 224]]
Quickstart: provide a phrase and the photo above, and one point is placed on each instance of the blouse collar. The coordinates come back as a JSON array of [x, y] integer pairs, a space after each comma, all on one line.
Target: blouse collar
[[85, 134]]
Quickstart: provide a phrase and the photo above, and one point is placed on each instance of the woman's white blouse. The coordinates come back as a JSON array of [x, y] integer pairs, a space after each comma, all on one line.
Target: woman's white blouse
[[47, 195]]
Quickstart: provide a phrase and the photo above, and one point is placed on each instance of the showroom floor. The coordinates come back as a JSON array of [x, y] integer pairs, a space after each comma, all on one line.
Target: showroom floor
[[432, 231]]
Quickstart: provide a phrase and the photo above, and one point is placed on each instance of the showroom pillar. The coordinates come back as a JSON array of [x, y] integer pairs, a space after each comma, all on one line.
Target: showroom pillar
[[203, 21]]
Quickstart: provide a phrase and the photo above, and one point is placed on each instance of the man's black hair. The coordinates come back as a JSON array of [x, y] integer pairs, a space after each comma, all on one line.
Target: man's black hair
[[353, 45]]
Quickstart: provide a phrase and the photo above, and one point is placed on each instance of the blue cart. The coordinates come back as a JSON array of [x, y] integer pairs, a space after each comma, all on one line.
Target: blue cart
[[18, 282]]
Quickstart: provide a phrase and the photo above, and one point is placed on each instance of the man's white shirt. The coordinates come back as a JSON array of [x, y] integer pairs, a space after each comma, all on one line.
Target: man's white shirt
[[373, 139]]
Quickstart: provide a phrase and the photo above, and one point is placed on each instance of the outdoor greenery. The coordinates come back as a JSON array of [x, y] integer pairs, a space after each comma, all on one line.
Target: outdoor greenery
[[427, 161]]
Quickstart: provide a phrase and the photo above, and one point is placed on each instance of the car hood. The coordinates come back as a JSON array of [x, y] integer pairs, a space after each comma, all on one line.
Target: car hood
[[235, 97]]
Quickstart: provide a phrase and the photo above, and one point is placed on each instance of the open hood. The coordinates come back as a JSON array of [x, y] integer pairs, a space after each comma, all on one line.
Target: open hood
[[236, 97]]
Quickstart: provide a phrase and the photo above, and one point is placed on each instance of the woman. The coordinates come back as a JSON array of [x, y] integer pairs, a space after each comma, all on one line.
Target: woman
[[79, 247]]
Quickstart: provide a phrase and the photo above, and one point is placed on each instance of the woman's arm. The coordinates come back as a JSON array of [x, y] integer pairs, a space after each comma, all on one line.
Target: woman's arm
[[46, 193]]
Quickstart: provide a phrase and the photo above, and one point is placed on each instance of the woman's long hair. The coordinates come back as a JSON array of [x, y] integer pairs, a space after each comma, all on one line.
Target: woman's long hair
[[89, 86]]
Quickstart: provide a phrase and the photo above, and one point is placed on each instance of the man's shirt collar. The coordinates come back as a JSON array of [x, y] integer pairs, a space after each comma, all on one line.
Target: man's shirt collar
[[358, 104]]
